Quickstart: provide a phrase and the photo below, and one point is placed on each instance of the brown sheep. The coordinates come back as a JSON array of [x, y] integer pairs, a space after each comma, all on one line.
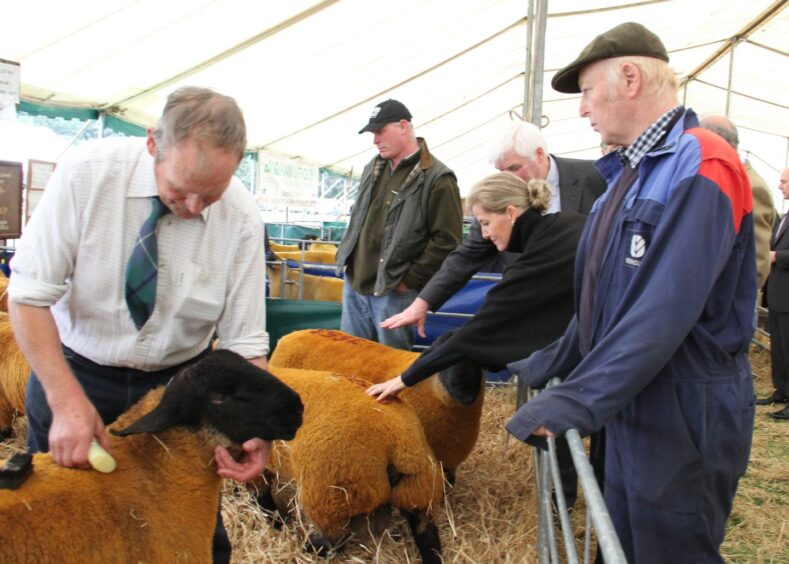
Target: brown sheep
[[160, 504], [316, 288], [451, 426], [14, 373], [318, 246], [322, 257], [277, 247], [354, 457], [3, 293]]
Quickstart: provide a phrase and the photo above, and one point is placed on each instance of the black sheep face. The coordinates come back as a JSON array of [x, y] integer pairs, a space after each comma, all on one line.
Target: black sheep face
[[463, 381], [226, 392]]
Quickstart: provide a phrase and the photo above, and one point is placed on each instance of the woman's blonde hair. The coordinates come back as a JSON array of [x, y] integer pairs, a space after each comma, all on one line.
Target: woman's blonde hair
[[497, 191]]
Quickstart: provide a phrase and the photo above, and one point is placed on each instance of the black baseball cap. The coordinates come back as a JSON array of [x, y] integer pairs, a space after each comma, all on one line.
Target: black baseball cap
[[390, 111], [625, 39]]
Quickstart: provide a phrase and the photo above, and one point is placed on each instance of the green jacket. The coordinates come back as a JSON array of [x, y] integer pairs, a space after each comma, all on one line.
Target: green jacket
[[422, 225]]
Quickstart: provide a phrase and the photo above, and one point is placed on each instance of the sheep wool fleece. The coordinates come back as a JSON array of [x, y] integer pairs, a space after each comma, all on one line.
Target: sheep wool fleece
[[451, 428], [667, 372], [341, 455], [152, 520]]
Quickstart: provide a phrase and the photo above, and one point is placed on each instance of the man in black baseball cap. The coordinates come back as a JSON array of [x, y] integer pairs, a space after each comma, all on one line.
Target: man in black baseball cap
[[406, 219], [390, 111], [666, 286]]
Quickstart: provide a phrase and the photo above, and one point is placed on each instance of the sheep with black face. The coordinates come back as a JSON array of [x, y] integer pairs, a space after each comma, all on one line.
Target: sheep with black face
[[160, 504]]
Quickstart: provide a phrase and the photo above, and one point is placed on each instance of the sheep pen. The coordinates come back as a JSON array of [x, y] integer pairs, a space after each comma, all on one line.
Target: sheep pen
[[490, 515]]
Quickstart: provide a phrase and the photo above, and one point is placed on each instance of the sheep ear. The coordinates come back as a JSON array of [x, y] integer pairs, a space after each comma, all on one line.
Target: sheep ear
[[153, 422], [171, 411]]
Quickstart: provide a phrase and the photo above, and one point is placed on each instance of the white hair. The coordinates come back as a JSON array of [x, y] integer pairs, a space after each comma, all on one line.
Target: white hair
[[657, 78], [524, 138]]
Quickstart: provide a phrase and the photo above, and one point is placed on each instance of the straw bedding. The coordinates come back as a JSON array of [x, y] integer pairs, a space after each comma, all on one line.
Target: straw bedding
[[489, 515]]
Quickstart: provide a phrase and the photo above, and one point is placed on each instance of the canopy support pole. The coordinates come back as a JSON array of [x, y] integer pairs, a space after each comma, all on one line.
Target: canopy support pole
[[535, 61], [731, 77]]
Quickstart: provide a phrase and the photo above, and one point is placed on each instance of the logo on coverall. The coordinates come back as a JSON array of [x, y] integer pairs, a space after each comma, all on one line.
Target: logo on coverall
[[638, 246]]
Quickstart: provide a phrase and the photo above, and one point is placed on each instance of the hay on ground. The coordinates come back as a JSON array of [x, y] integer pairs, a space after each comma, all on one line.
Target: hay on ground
[[489, 516]]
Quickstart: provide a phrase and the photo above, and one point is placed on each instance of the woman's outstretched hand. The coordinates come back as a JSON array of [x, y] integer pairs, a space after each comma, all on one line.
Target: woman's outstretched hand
[[387, 391]]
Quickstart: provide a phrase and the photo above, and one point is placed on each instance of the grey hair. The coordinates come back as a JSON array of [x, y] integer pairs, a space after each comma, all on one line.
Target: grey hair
[[203, 115], [723, 127], [497, 191], [524, 138]]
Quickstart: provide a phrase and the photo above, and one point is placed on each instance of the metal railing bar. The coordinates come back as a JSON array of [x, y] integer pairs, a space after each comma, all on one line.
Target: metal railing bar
[[564, 515]]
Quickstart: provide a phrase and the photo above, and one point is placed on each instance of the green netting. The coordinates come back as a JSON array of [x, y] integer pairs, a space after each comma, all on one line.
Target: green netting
[[333, 230], [286, 316], [120, 126], [57, 111]]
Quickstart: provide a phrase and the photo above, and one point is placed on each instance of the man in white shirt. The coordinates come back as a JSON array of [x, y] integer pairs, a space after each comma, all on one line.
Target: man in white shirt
[[90, 358]]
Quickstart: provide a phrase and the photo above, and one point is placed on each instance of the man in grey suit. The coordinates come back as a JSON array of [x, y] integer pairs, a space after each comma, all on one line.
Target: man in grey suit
[[778, 306], [522, 150]]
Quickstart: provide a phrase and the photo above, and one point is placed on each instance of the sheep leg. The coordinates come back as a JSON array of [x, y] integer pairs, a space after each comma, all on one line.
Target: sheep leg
[[321, 546], [425, 535], [449, 476], [266, 502]]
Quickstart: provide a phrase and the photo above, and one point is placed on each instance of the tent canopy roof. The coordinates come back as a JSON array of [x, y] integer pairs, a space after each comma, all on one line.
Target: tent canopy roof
[[308, 73]]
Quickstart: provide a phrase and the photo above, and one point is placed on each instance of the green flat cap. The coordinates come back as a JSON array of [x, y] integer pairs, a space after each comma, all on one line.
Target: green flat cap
[[625, 39]]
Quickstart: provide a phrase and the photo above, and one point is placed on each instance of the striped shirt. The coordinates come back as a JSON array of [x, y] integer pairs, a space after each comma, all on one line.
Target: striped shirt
[[648, 139]]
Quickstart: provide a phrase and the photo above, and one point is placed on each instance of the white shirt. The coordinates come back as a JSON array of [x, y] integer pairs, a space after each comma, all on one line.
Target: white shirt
[[553, 181], [73, 253]]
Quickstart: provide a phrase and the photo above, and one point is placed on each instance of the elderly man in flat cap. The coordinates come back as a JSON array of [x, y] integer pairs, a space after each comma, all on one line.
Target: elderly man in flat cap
[[666, 284]]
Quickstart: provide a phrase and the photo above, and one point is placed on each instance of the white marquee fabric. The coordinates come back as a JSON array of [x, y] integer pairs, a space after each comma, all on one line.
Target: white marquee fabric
[[307, 73]]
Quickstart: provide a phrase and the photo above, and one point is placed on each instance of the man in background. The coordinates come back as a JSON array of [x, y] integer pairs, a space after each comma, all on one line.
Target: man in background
[[763, 206], [406, 219], [522, 150], [778, 306]]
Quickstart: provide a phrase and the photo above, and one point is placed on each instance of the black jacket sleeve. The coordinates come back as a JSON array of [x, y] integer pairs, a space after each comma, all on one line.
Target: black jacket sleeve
[[458, 268]]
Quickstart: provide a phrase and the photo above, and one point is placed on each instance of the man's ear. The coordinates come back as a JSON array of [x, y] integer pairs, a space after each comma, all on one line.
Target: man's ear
[[631, 77], [150, 142]]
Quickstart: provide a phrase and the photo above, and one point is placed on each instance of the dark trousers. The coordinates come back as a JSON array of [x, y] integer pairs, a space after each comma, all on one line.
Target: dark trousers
[[779, 350], [674, 456], [112, 390]]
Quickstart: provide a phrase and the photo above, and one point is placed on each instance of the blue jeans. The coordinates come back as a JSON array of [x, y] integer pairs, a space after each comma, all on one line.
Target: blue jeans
[[362, 314], [112, 390]]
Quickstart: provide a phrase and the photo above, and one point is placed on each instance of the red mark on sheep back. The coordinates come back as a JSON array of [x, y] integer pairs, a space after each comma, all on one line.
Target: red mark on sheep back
[[336, 335]]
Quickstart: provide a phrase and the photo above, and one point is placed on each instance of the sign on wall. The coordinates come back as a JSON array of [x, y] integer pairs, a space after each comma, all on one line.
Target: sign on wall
[[284, 179], [10, 200], [38, 173], [9, 89]]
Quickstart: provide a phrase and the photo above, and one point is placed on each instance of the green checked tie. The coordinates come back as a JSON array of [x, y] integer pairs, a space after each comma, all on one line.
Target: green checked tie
[[141, 270]]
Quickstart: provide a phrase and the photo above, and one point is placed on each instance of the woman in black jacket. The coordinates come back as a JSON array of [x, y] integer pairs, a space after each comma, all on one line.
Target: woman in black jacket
[[532, 304]]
